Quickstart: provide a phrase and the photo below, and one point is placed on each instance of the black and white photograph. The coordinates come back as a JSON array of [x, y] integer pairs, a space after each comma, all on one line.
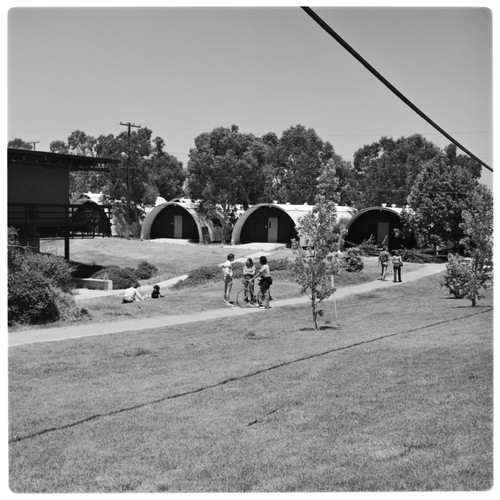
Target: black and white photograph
[[249, 248]]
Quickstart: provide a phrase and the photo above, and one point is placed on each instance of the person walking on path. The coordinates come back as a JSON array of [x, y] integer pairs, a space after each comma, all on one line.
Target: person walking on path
[[397, 264], [383, 259], [227, 276], [265, 282]]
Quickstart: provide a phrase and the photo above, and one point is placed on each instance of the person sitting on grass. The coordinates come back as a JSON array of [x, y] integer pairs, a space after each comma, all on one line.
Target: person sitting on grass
[[155, 294], [132, 295]]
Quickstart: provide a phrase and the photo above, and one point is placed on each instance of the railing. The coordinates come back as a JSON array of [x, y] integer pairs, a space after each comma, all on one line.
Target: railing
[[51, 220]]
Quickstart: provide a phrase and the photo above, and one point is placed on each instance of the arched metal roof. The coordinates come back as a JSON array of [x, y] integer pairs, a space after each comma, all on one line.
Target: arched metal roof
[[392, 209], [191, 207], [295, 212]]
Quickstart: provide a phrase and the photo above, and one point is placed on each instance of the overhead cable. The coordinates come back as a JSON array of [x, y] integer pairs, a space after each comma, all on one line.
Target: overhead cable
[[391, 87]]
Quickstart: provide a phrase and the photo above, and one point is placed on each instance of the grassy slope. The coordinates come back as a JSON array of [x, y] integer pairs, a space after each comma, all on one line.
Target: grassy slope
[[171, 259], [394, 395]]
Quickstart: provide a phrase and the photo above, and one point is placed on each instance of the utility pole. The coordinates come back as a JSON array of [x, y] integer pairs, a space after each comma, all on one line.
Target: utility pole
[[33, 142], [129, 126]]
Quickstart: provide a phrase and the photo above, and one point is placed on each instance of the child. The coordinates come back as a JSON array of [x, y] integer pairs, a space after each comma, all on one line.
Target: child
[[248, 275], [227, 270], [397, 264], [265, 281], [155, 294]]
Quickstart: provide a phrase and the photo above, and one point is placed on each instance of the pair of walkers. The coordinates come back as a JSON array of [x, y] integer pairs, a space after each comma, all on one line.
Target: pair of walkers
[[249, 276], [397, 263]]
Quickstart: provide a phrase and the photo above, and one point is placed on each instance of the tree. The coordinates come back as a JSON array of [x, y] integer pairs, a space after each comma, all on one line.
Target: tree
[[466, 279], [385, 171], [165, 172], [299, 160], [145, 171], [439, 195], [19, 144], [226, 169], [59, 147], [334, 180], [316, 261]]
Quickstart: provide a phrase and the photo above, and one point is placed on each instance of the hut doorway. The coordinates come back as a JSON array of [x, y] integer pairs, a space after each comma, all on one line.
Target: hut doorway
[[382, 232], [272, 230], [178, 226]]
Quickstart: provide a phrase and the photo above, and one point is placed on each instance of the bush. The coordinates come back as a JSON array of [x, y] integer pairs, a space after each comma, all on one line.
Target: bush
[[368, 247], [145, 270], [463, 281], [418, 257], [56, 269], [38, 286], [121, 278], [31, 298], [352, 261], [279, 265], [201, 275]]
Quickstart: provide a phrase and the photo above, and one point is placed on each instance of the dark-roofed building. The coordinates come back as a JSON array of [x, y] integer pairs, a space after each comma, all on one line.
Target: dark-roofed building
[[38, 197]]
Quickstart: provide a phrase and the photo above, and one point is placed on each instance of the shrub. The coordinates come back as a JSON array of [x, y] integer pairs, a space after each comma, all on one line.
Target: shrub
[[38, 286], [368, 247], [279, 265], [145, 270], [31, 298], [200, 276], [56, 269], [463, 281], [121, 278], [417, 257], [352, 261]]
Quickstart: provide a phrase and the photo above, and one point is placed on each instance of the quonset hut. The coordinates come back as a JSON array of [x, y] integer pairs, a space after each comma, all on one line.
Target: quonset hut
[[181, 220], [275, 223], [381, 223]]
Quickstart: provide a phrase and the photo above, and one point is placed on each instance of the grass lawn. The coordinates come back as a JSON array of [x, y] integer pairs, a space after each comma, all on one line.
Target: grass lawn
[[171, 259], [184, 258], [395, 395]]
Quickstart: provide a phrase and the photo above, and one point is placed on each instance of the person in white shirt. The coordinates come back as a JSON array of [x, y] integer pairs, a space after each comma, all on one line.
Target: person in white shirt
[[132, 295], [227, 270]]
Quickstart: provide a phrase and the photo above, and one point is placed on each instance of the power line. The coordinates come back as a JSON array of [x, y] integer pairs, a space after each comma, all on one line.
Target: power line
[[391, 87]]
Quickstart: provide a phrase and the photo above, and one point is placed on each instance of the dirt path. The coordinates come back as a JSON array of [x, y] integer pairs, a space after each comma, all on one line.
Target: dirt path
[[88, 330]]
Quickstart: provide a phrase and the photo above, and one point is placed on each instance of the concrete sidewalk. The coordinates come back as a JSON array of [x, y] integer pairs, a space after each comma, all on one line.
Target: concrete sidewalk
[[89, 330]]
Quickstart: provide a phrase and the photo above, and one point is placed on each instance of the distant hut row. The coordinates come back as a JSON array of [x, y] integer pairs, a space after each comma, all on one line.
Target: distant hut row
[[269, 223]]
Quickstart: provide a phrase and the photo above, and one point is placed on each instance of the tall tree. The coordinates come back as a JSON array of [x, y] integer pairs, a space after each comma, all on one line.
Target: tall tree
[[300, 158], [165, 172], [144, 172], [384, 171], [335, 180], [439, 195], [226, 169]]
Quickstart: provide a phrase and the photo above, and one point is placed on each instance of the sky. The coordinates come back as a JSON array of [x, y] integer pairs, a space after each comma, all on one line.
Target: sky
[[182, 71]]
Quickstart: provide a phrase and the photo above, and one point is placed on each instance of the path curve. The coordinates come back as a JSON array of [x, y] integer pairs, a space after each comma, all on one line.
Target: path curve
[[89, 330]]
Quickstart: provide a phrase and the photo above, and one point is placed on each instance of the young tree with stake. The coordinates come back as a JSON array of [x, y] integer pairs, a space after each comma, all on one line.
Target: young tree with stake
[[320, 237]]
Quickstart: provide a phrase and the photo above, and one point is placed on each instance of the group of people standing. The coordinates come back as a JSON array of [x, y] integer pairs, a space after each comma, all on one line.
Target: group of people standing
[[397, 263], [250, 274]]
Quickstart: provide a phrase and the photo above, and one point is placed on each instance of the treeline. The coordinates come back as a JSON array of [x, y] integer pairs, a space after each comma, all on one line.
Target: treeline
[[230, 169]]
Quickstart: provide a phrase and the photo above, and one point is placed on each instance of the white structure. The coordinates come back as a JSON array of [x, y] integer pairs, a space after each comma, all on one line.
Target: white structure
[[275, 222]]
